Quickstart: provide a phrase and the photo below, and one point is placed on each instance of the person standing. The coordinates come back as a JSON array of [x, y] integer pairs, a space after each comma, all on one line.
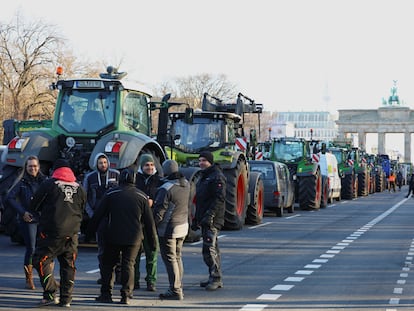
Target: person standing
[[61, 201], [410, 185], [96, 184], [126, 211], [19, 198], [148, 181], [171, 219], [210, 208], [399, 180], [391, 182]]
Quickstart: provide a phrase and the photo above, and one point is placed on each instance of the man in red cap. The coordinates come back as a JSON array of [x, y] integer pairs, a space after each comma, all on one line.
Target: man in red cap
[[60, 201]]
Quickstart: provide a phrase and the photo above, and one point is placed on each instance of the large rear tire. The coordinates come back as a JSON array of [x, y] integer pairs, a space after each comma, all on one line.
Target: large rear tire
[[347, 190], [254, 215], [325, 192], [363, 184], [310, 190], [236, 196]]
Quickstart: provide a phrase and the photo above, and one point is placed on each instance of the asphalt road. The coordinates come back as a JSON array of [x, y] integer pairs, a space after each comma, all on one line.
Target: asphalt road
[[353, 255]]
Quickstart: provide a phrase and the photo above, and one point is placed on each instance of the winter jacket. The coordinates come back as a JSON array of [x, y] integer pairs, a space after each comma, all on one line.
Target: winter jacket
[[148, 183], [21, 194], [126, 212], [61, 202], [96, 183], [211, 197], [171, 207]]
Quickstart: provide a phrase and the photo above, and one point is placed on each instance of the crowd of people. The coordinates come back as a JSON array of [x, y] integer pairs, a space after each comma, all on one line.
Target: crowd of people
[[129, 212]]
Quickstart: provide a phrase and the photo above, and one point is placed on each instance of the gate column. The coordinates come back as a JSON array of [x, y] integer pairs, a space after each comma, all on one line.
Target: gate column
[[407, 147], [381, 143], [362, 139]]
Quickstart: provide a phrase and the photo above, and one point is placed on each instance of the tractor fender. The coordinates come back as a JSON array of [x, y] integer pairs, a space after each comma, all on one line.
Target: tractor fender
[[43, 144], [132, 145], [235, 159]]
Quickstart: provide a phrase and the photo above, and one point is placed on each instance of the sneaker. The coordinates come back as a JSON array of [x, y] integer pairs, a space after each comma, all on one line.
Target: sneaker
[[47, 302], [104, 299], [214, 285], [170, 295], [203, 283], [151, 287], [125, 300]]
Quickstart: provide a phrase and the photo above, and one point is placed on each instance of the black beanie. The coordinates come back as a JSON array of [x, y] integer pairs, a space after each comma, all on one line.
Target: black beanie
[[60, 163], [207, 155]]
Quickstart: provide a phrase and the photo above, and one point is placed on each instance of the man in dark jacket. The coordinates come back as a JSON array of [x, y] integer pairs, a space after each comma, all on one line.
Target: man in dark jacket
[[128, 214], [148, 181], [410, 185], [171, 219], [96, 184], [60, 201], [210, 208]]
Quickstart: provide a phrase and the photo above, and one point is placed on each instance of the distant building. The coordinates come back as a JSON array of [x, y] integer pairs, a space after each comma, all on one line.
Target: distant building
[[320, 123]]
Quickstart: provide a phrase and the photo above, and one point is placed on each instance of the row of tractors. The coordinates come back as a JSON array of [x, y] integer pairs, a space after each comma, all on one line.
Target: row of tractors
[[94, 115], [360, 173]]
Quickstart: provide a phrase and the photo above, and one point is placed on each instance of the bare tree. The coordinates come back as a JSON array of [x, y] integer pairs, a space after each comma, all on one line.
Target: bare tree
[[27, 51], [192, 88]]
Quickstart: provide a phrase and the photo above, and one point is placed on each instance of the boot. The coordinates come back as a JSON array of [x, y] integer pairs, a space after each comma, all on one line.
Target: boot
[[28, 270]]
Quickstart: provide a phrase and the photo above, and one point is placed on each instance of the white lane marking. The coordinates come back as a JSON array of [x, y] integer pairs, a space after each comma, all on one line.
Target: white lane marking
[[297, 215], [312, 266], [403, 275], [394, 301], [398, 290], [93, 271], [294, 279], [320, 260], [342, 244], [327, 256], [352, 238], [261, 225], [273, 297], [348, 241], [332, 252], [253, 307], [401, 282], [305, 272], [282, 287], [337, 247], [405, 269]]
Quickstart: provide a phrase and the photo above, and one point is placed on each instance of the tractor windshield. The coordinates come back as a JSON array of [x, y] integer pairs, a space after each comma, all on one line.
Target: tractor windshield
[[86, 111], [202, 134], [288, 151]]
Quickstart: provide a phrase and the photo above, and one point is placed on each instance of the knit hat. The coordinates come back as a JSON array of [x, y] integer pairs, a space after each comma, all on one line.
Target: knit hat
[[146, 157], [169, 167], [207, 155], [60, 163]]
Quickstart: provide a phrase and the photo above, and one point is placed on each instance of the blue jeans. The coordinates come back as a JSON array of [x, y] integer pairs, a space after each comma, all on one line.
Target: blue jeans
[[29, 232]]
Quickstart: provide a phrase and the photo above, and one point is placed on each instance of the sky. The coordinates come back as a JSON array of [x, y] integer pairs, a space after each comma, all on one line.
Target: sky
[[289, 55]]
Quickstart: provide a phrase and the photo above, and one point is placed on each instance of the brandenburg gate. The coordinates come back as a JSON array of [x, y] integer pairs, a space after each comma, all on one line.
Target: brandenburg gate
[[391, 118]]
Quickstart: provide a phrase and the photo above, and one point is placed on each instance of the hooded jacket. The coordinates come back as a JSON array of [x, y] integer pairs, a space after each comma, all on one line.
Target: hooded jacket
[[96, 183], [60, 200], [171, 207]]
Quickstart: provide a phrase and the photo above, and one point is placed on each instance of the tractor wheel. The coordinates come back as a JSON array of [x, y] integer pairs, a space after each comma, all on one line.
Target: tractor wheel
[[347, 187], [379, 183], [254, 215], [363, 184], [236, 196], [310, 190], [325, 192], [8, 219]]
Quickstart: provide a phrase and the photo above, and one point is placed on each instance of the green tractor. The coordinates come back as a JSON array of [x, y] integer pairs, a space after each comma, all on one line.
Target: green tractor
[[302, 157], [218, 127], [91, 116]]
